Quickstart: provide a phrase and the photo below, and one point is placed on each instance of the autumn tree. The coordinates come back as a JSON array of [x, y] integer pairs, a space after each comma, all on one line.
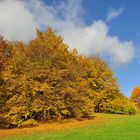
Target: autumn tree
[[6, 54], [135, 97], [45, 81]]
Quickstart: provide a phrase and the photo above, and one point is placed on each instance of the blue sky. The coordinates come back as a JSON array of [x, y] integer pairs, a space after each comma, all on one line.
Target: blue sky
[[126, 27], [107, 28]]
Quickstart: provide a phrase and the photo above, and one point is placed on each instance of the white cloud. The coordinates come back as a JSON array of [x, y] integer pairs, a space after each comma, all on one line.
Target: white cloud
[[18, 20], [113, 13], [94, 39]]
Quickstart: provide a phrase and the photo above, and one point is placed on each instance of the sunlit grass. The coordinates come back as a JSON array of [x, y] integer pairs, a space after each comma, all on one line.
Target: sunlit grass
[[105, 127]]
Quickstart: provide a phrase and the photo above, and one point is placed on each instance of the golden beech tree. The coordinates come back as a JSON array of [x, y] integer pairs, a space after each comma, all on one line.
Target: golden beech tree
[[44, 81], [6, 54], [135, 96]]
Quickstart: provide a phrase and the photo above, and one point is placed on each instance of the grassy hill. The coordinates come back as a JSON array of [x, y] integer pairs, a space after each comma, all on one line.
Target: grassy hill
[[102, 127]]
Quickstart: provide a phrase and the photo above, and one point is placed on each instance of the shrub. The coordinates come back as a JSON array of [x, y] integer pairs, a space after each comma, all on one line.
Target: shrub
[[120, 106], [29, 123]]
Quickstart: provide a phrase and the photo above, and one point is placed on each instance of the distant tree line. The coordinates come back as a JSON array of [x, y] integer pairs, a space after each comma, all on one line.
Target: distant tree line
[[45, 81]]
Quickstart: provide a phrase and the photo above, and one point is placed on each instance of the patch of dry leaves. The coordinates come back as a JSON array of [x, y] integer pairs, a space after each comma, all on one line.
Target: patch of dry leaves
[[50, 127]]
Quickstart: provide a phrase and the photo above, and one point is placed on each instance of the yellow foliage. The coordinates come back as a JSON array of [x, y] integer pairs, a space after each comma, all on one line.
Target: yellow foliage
[[44, 81], [135, 97]]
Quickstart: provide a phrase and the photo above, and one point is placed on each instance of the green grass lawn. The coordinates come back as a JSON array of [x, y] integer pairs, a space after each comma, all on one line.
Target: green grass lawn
[[114, 127]]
